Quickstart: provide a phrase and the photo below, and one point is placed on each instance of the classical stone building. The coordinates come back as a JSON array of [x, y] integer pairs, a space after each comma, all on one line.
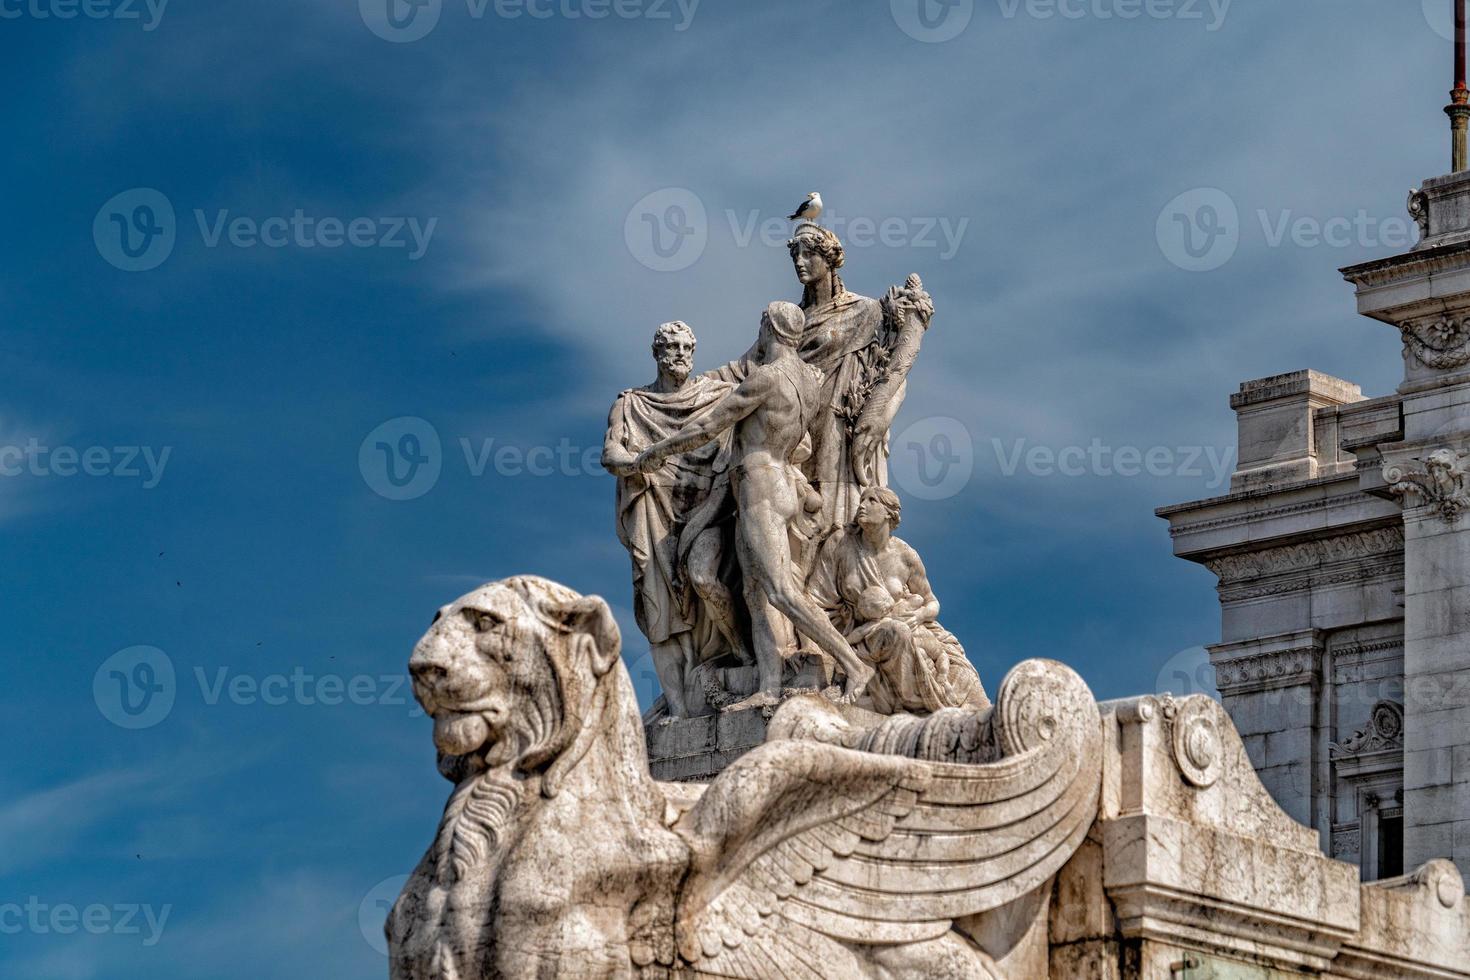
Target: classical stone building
[[1344, 570]]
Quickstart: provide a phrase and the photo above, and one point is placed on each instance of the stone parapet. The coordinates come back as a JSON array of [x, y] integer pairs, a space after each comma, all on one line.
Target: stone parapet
[[1279, 441]]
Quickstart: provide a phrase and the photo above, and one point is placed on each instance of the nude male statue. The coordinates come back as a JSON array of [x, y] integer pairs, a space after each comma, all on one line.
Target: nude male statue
[[769, 413]]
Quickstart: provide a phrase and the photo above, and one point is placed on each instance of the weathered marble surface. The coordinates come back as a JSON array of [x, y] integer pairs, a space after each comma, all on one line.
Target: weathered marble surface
[[1343, 557], [830, 851], [1044, 837], [764, 460]]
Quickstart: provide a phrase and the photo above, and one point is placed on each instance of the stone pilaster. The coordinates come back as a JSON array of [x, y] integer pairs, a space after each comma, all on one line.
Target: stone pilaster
[[1272, 688], [1425, 295]]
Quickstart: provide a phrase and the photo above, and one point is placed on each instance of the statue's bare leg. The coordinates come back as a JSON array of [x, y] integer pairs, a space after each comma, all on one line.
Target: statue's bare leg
[[671, 662], [770, 664], [766, 505], [704, 575]]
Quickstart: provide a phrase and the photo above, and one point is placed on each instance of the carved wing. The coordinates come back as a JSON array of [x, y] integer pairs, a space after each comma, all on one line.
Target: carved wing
[[801, 847]]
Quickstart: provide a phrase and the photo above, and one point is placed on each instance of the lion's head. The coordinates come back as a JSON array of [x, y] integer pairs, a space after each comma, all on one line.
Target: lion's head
[[510, 674]]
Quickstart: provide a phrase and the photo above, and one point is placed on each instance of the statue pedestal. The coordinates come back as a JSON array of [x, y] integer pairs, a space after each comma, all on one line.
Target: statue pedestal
[[697, 749]]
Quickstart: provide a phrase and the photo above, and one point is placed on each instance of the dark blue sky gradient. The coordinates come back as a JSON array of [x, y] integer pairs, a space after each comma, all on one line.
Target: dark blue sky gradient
[[263, 550]]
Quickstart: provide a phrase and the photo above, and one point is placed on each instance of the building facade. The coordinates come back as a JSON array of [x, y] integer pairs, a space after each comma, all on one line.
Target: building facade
[[1343, 557]]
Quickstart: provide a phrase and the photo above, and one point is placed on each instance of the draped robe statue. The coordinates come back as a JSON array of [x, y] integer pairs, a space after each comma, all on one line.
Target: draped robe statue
[[680, 601]]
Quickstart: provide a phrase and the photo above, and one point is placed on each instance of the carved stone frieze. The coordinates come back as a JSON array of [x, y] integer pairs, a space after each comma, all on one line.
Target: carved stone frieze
[[1277, 668], [1235, 569], [1302, 581], [1347, 841]]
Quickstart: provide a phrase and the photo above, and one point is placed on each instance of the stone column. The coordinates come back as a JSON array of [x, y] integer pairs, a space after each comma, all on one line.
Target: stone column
[[1425, 294]]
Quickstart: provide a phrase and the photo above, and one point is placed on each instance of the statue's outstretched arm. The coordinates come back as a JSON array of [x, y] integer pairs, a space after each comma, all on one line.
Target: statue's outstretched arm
[[725, 415]]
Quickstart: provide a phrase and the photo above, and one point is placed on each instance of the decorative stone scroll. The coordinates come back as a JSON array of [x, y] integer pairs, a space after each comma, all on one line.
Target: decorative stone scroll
[[1441, 483], [1418, 206], [1384, 732]]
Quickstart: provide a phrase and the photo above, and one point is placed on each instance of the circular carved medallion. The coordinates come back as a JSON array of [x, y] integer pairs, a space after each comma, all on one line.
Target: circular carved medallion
[[1197, 746]]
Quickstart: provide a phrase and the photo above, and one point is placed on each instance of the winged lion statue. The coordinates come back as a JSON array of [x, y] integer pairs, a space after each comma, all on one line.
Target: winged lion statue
[[913, 847]]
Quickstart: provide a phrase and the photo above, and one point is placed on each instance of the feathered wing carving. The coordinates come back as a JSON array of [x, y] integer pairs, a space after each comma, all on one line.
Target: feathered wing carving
[[801, 847]]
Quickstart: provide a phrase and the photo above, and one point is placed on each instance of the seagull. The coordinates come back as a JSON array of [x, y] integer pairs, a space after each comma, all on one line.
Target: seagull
[[810, 209]]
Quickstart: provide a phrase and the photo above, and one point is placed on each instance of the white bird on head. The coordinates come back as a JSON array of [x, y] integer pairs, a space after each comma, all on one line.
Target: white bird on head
[[810, 210]]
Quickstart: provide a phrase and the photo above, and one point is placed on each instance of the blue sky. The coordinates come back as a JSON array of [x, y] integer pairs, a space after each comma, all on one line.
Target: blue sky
[[187, 458]]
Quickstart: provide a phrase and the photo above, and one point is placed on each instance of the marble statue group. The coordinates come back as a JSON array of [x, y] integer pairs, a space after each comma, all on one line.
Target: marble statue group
[[890, 822], [754, 503]]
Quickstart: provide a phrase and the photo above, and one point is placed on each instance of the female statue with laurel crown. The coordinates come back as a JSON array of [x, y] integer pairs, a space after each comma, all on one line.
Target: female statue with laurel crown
[[864, 348]]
